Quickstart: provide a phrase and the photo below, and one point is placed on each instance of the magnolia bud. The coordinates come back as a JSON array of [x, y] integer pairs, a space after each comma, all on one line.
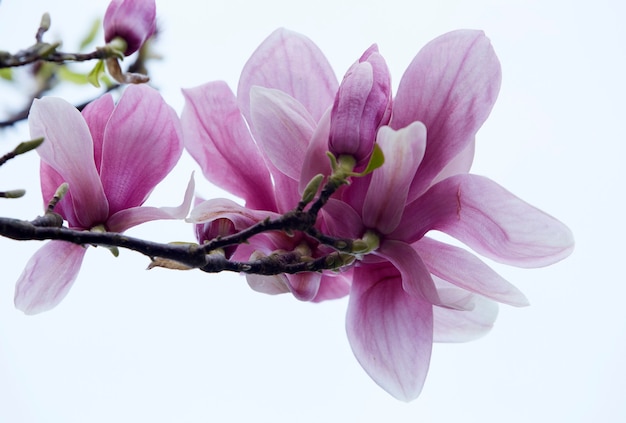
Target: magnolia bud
[[132, 20], [362, 105]]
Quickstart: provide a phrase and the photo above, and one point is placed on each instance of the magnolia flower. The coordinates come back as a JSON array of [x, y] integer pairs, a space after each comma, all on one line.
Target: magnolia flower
[[262, 164], [410, 290], [134, 21], [112, 156]]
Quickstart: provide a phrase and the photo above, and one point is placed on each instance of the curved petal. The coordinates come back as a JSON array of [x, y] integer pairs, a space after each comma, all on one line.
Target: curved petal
[[390, 331], [222, 208], [341, 220], [127, 218], [218, 139], [51, 180], [416, 279], [142, 143], [68, 149], [315, 160], [283, 129], [387, 193], [48, 276], [490, 220], [333, 286], [464, 325], [305, 285], [450, 86], [291, 63], [97, 114], [466, 271], [271, 285]]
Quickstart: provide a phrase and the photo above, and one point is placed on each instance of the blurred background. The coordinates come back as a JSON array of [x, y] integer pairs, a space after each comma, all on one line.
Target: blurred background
[[162, 346]]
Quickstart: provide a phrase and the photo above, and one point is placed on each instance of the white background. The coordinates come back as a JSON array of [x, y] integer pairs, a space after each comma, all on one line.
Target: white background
[[130, 345]]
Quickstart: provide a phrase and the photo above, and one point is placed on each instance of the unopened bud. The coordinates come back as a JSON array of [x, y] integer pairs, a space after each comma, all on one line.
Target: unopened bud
[[15, 193], [26, 146], [312, 187], [44, 25]]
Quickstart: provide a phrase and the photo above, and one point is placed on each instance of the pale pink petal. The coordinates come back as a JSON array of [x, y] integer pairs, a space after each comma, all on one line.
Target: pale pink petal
[[291, 63], [50, 181], [68, 149], [283, 129], [97, 114], [390, 331], [217, 137], [450, 86], [416, 279], [465, 270], [333, 286], [305, 285], [271, 285], [459, 164], [316, 161], [48, 276], [222, 208], [386, 196], [142, 143], [341, 220], [490, 220], [464, 325], [127, 218]]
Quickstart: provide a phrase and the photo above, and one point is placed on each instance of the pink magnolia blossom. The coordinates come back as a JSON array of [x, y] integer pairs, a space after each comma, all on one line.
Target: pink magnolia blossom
[[112, 156], [254, 144], [132, 20], [401, 298], [411, 290]]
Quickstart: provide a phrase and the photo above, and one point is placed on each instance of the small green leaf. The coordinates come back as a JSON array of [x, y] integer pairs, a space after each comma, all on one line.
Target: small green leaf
[[94, 76], [376, 161], [91, 35], [68, 75], [7, 74]]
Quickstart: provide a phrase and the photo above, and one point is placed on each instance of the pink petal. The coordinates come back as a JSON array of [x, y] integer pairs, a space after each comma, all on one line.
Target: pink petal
[[341, 220], [416, 279], [48, 276], [50, 182], [466, 271], [490, 220], [450, 86], [68, 149], [333, 286], [283, 129], [97, 114], [222, 208], [291, 63], [127, 218], [390, 331], [387, 193], [467, 324], [218, 139], [271, 285], [315, 160], [142, 143], [305, 285]]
